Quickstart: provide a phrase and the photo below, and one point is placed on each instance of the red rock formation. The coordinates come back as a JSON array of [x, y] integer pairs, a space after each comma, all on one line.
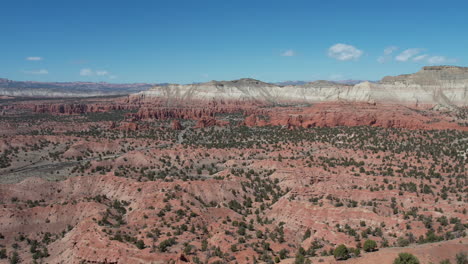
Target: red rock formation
[[164, 113], [170, 113], [128, 126], [353, 114], [176, 125], [202, 123], [255, 120], [209, 122]]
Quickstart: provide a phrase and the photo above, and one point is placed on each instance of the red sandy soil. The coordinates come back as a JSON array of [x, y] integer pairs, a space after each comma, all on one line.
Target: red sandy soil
[[427, 253]]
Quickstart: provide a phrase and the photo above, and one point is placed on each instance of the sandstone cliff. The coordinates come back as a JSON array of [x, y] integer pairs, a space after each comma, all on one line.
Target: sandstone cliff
[[435, 85]]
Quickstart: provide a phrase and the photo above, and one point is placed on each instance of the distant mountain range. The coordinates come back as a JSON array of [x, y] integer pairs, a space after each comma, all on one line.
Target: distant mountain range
[[68, 89]]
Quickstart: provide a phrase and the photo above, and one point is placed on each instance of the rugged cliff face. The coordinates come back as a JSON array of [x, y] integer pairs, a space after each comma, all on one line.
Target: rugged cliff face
[[443, 85], [435, 85]]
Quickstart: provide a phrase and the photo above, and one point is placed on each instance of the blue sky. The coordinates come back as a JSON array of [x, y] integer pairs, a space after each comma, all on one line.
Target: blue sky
[[193, 41]]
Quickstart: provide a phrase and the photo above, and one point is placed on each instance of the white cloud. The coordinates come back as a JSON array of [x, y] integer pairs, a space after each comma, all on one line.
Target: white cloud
[[344, 52], [390, 50], [86, 72], [34, 58], [288, 53], [102, 73], [420, 57], [112, 77], [37, 72], [407, 54]]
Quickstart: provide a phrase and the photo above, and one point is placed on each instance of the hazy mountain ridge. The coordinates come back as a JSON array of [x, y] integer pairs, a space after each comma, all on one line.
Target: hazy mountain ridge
[[68, 89]]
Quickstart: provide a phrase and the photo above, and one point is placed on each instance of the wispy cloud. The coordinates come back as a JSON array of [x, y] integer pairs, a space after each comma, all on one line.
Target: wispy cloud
[[34, 58], [387, 54], [440, 60], [344, 52], [86, 72], [390, 50], [407, 54], [288, 53], [100, 73], [420, 58], [415, 56], [37, 72]]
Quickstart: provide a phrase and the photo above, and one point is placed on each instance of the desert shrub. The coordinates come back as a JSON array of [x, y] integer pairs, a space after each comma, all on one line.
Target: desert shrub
[[307, 234], [140, 244], [341, 252], [406, 258], [14, 258], [370, 245], [462, 258], [403, 242], [166, 243]]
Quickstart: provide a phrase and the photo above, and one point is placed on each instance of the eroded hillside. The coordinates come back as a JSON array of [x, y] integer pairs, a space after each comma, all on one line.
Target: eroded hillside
[[132, 180]]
